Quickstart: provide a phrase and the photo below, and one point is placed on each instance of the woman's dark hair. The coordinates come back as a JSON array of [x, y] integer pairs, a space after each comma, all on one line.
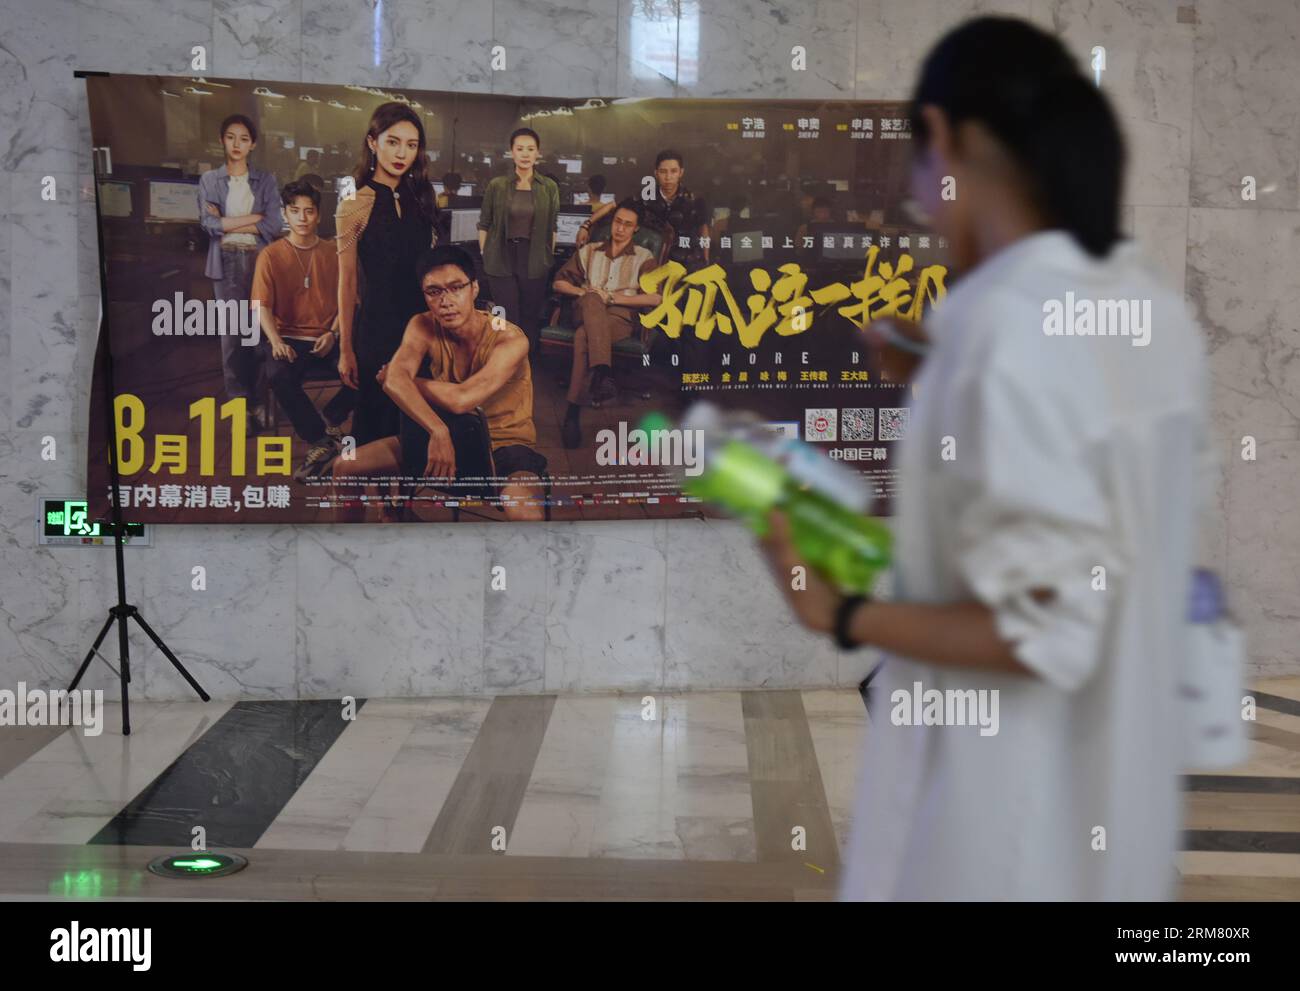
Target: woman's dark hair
[[417, 176], [597, 184], [526, 132], [238, 119], [1025, 87], [300, 187], [451, 183], [444, 254]]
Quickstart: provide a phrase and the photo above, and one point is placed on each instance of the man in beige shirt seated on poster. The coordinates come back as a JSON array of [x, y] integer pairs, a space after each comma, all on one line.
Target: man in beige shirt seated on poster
[[296, 286], [605, 278]]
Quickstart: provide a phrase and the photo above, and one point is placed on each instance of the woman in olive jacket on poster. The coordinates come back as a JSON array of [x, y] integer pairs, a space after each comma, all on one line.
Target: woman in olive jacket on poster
[[516, 233]]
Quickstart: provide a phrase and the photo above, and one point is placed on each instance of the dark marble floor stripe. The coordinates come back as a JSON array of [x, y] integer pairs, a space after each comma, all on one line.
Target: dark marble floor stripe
[[235, 779], [785, 780], [489, 789], [1240, 841], [17, 743], [1278, 703], [1240, 782]]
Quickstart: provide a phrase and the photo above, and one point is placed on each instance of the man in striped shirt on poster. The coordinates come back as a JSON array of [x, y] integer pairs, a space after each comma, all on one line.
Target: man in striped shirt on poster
[[604, 277]]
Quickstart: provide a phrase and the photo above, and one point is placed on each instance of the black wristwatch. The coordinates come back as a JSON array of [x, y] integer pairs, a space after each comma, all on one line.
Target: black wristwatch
[[843, 615]]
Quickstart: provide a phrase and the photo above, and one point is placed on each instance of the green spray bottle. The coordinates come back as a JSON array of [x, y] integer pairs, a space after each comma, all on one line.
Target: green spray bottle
[[749, 470]]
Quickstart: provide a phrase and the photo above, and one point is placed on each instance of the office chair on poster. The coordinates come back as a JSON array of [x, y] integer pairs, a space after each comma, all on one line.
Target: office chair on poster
[[558, 333]]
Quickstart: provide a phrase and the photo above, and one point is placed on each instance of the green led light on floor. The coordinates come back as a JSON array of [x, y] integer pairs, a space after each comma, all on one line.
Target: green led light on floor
[[79, 884], [197, 865]]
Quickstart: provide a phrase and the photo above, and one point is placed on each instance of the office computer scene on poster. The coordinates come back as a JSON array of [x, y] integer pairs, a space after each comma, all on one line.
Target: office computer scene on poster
[[347, 304]]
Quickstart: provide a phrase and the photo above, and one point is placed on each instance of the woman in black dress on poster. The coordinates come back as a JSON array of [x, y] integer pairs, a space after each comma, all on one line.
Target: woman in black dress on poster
[[381, 232]]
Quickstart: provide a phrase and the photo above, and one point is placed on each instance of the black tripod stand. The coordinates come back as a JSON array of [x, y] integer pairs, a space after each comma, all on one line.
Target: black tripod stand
[[123, 610], [864, 686]]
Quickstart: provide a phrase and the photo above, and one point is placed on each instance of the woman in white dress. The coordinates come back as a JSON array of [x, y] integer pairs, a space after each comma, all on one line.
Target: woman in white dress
[[1045, 529]]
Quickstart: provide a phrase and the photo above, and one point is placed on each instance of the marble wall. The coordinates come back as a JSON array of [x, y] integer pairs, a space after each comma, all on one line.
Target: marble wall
[[1209, 91]]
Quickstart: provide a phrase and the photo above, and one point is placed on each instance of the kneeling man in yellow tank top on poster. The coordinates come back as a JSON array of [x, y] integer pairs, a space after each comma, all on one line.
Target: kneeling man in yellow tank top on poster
[[473, 360]]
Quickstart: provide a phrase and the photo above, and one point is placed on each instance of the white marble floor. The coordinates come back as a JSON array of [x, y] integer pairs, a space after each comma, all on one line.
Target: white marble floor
[[610, 785], [627, 776]]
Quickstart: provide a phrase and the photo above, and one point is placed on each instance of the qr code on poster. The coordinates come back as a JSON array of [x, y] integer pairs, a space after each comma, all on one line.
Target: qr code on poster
[[859, 424], [893, 423], [819, 424]]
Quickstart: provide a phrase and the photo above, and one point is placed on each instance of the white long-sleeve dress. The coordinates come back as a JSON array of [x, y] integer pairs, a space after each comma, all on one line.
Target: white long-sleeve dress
[[1030, 460]]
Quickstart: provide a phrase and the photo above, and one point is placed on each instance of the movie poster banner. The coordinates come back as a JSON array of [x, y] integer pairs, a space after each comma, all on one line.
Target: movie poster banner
[[344, 304]]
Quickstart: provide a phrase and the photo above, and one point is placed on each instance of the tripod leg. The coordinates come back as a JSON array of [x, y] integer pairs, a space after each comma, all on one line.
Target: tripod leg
[[864, 686], [171, 657], [91, 653], [124, 660]]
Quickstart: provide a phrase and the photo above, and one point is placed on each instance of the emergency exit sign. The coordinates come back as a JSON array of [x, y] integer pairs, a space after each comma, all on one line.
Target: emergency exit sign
[[67, 523]]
